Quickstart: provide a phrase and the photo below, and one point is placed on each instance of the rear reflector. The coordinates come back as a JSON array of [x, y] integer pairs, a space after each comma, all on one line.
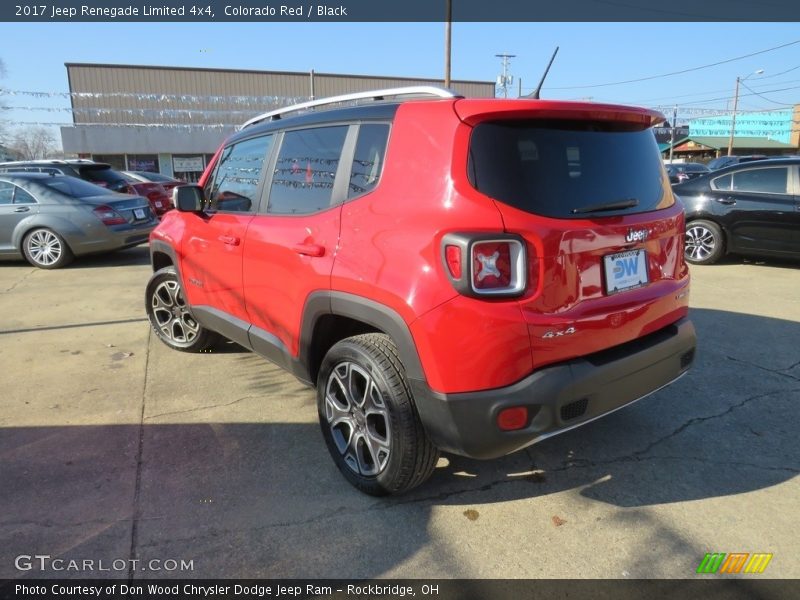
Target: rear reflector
[[511, 419], [109, 216]]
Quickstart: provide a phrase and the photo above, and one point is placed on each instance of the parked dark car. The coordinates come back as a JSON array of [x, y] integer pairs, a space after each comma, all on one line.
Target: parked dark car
[[167, 182], [50, 219], [680, 172], [750, 208], [728, 161], [98, 173]]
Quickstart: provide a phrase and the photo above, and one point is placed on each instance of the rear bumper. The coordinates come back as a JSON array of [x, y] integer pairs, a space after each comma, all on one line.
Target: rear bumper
[[558, 397], [113, 240]]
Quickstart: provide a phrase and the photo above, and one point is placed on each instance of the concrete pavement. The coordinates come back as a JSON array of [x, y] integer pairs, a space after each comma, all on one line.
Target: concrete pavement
[[113, 447]]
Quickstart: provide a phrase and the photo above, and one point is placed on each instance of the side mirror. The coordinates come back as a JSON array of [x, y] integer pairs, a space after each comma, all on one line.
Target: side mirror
[[188, 198]]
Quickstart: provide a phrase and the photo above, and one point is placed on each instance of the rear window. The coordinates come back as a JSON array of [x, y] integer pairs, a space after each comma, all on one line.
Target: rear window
[[563, 168], [104, 176], [72, 186]]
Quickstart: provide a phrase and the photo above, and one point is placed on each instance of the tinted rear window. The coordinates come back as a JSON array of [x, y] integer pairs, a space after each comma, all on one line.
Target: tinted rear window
[[72, 186], [552, 168]]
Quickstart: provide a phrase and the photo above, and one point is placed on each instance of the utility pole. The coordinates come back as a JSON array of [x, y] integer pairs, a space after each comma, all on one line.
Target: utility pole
[[448, 27], [733, 116], [672, 134], [504, 80]]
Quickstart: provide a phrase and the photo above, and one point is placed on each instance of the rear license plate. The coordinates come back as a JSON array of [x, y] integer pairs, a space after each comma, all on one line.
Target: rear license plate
[[139, 213], [625, 270]]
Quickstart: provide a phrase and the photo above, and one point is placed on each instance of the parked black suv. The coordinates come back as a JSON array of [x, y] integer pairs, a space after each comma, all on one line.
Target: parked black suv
[[750, 208]]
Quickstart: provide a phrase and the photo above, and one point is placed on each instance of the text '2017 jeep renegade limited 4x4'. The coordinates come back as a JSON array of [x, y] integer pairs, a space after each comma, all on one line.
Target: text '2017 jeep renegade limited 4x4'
[[452, 274]]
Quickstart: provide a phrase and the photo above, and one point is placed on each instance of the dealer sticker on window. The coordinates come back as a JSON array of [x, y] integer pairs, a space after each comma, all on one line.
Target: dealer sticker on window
[[139, 213], [625, 270]]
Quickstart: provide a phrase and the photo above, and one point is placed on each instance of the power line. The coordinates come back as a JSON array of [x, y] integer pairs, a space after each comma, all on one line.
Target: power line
[[722, 62], [765, 98]]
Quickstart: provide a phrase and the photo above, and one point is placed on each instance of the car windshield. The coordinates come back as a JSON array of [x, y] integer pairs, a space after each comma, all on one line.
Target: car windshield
[[72, 186], [567, 168]]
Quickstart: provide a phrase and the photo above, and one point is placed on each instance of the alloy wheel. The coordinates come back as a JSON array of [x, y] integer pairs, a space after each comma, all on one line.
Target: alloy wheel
[[44, 247], [358, 419], [700, 242], [171, 315]]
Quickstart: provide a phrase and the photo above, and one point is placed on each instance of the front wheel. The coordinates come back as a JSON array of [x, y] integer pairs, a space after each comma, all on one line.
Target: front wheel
[[170, 317], [368, 417], [704, 244]]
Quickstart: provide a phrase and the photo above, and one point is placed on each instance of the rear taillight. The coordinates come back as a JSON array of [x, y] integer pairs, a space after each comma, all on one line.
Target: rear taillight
[[480, 265], [109, 216]]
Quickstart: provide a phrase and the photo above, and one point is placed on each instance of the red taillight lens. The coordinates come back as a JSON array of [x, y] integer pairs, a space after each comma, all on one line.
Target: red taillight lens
[[452, 255], [109, 216], [511, 419], [491, 265]]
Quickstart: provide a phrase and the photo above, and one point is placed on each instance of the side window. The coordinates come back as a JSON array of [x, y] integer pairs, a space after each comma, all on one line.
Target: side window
[[235, 182], [306, 169], [23, 197], [766, 181], [368, 159], [722, 183], [6, 192]]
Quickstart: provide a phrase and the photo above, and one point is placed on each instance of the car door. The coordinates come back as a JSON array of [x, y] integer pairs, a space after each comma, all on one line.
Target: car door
[[15, 205], [290, 248], [757, 207], [214, 241]]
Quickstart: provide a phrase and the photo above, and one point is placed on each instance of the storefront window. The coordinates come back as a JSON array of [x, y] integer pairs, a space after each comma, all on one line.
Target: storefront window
[[188, 167]]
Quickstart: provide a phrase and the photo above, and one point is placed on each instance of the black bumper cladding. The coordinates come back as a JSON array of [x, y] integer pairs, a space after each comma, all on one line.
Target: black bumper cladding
[[558, 397]]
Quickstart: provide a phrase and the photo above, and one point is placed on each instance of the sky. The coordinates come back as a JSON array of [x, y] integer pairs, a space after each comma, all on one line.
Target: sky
[[591, 56]]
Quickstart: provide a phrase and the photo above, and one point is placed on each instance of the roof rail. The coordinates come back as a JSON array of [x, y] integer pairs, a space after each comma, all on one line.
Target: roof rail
[[415, 90]]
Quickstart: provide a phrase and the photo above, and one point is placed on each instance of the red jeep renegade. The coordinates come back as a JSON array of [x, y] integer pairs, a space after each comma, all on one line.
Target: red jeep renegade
[[464, 275]]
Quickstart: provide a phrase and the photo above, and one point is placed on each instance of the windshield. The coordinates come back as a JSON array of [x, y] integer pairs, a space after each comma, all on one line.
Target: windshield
[[564, 168], [72, 186]]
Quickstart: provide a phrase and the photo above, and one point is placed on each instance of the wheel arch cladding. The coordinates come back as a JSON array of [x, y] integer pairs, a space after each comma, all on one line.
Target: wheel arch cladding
[[330, 316]]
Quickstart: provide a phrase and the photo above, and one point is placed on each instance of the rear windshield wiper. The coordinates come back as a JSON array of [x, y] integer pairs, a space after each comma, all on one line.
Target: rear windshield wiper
[[618, 205]]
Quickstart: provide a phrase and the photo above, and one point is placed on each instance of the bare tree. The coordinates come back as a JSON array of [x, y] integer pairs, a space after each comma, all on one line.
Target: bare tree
[[33, 143]]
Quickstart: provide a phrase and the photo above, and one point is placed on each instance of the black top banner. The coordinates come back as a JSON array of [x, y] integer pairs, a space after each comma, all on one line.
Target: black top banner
[[399, 10]]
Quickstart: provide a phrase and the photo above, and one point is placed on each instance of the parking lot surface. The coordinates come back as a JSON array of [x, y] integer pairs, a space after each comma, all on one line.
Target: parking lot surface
[[115, 448]]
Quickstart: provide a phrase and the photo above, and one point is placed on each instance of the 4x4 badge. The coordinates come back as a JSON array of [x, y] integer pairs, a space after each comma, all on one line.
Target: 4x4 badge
[[636, 235], [552, 334]]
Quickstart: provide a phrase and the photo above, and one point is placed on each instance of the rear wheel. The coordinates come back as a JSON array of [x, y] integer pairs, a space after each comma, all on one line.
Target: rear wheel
[[45, 249], [705, 243], [170, 317], [368, 417]]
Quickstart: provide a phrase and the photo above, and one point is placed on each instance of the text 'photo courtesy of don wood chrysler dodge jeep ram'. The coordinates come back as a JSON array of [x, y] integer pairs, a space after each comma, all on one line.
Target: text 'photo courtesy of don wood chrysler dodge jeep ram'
[[459, 275]]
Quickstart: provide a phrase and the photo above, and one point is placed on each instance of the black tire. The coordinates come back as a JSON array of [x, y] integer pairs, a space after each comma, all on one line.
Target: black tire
[[705, 242], [170, 317], [46, 249], [387, 450]]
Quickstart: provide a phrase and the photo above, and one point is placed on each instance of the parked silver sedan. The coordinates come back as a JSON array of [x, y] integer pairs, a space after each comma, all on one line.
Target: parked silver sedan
[[50, 219]]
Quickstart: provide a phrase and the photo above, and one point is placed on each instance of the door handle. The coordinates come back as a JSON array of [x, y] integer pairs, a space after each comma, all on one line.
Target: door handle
[[727, 201], [230, 240], [309, 249], [22, 209]]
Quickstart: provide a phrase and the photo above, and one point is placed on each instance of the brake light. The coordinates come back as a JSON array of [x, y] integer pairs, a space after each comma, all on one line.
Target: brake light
[[491, 265], [482, 265], [109, 216]]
